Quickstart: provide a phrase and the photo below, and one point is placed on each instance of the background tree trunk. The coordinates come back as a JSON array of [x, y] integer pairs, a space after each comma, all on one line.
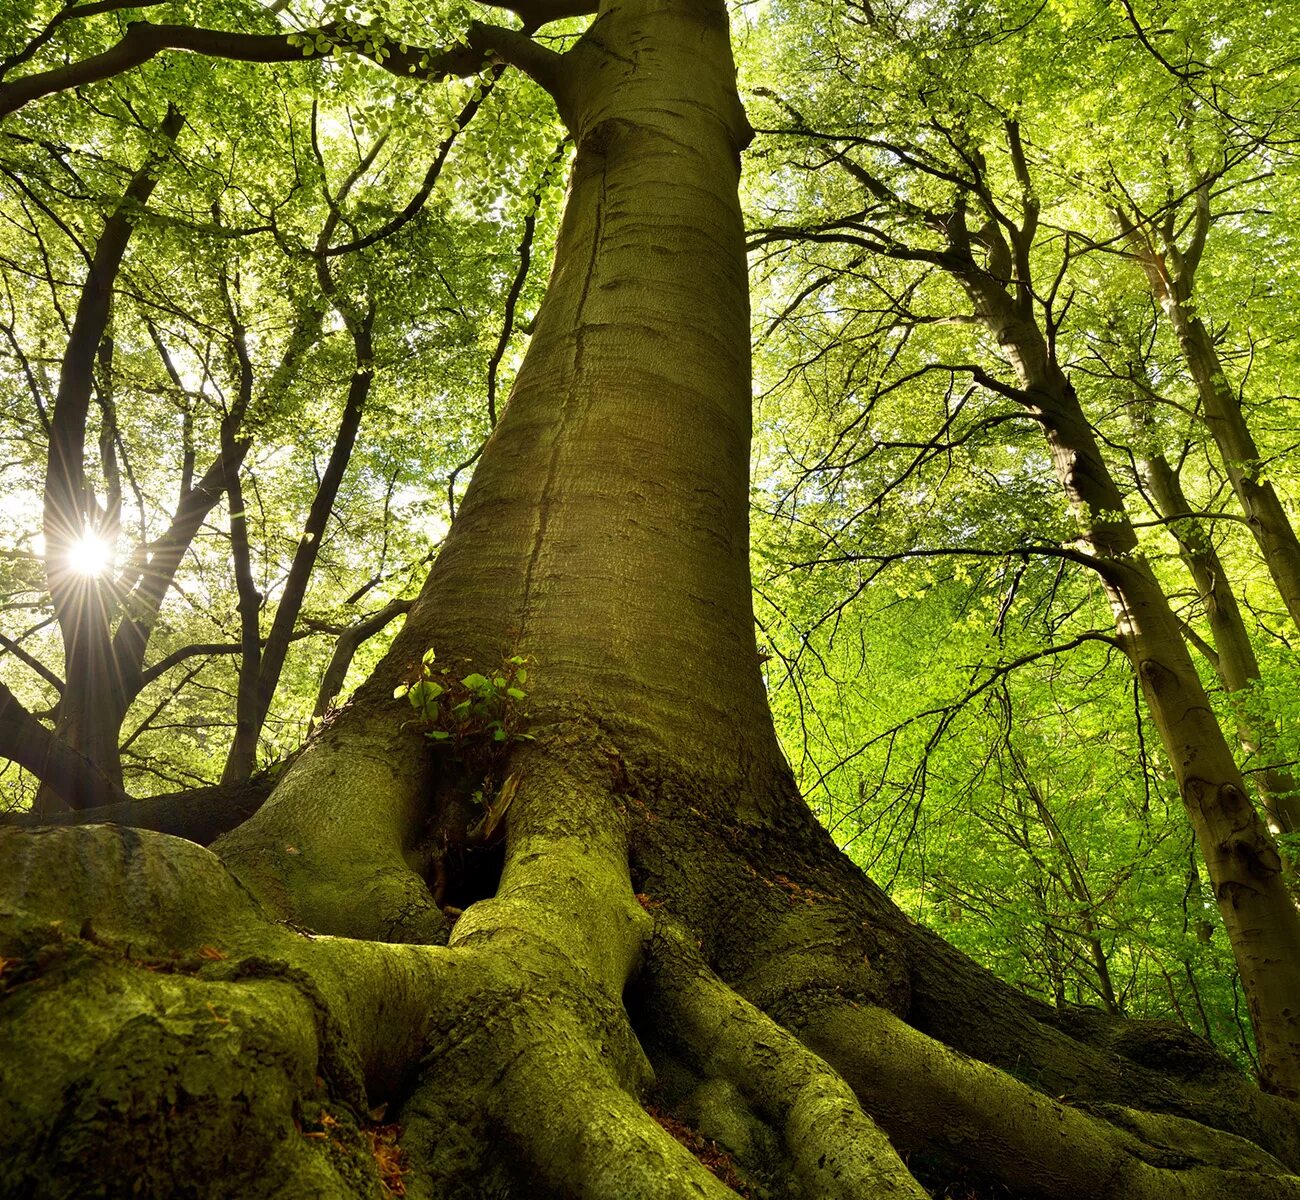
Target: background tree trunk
[[81, 602], [1171, 274]]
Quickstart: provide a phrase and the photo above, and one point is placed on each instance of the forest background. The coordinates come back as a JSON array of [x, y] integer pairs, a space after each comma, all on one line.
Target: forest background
[[324, 288]]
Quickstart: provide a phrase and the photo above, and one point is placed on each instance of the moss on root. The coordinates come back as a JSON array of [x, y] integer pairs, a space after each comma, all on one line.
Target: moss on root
[[734, 1030], [121, 1078]]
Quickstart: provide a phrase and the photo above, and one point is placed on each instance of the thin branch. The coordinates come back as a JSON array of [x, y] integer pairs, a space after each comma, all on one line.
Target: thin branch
[[517, 284], [35, 664], [947, 710], [144, 40]]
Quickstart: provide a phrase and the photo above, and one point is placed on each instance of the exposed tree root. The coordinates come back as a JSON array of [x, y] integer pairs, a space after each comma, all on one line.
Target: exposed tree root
[[199, 814], [330, 849], [1090, 1056], [550, 1112], [560, 1068], [927, 1095], [833, 1148], [159, 1032], [792, 925], [150, 1000]]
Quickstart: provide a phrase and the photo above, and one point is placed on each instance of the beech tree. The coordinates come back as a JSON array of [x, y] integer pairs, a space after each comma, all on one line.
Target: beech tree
[[540, 910]]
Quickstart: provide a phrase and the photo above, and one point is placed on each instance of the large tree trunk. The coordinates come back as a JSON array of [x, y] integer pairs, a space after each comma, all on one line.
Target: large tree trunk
[[667, 923]]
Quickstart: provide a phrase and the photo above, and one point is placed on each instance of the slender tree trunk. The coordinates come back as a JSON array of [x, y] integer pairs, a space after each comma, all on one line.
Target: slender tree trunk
[[1171, 274], [1265, 516], [261, 665], [1243, 861], [1234, 658]]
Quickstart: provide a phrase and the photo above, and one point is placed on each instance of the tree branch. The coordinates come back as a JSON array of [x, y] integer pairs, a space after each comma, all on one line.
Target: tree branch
[[417, 201], [201, 814], [346, 647], [536, 13], [69, 12], [24, 740], [143, 41], [1200, 232], [540, 63], [35, 664], [944, 710]]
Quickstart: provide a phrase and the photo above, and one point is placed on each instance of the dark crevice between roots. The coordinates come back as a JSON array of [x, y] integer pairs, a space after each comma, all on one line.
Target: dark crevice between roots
[[460, 851], [946, 1177], [471, 875]]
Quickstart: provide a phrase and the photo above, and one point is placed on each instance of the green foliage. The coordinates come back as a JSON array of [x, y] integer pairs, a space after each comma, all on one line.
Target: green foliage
[[940, 676], [474, 716]]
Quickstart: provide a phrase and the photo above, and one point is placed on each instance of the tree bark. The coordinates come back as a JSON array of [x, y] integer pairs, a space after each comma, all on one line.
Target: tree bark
[[1171, 275]]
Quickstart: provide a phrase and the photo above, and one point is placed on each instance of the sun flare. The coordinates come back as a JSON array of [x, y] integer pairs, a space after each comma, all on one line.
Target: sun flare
[[90, 555]]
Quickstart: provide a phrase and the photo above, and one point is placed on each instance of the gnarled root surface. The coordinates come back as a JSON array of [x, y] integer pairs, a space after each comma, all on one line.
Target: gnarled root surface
[[654, 1003]]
